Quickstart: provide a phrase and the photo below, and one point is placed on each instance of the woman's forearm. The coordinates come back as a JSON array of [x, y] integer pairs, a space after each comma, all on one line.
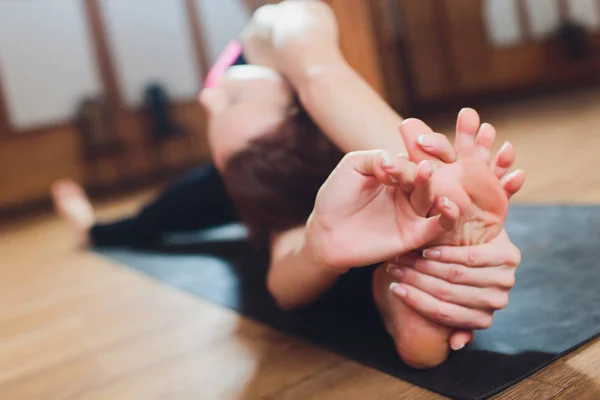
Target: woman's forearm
[[348, 110], [296, 278], [300, 39]]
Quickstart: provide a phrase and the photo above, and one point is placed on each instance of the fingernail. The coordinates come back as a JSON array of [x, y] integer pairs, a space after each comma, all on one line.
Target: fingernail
[[427, 167], [458, 348], [403, 155], [392, 179], [423, 140], [386, 160], [398, 289], [431, 254], [504, 146], [446, 202], [395, 270]]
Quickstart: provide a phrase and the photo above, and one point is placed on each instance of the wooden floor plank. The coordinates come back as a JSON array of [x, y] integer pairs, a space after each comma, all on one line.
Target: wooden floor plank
[[76, 326], [348, 380], [530, 390]]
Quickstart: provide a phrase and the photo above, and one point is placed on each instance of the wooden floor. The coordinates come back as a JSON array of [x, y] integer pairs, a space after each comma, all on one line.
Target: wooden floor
[[76, 326]]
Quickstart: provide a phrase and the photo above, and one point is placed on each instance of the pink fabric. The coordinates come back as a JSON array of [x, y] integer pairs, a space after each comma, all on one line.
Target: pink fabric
[[226, 59]]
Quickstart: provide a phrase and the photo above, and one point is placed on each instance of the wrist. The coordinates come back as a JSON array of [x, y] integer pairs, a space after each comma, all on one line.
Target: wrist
[[316, 250]]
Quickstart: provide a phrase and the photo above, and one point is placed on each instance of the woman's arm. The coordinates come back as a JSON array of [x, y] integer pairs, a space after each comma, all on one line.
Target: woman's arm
[[300, 39], [363, 194], [296, 276]]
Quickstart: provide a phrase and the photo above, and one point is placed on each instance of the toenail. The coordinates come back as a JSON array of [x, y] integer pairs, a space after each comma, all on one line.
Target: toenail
[[396, 271], [399, 273], [391, 269]]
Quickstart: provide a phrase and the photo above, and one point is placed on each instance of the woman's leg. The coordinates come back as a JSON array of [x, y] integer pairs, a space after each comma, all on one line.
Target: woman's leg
[[198, 201]]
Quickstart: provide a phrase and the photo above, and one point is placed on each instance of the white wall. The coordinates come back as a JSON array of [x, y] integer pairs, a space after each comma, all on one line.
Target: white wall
[[151, 43], [544, 16], [586, 12], [46, 60], [503, 24], [222, 20]]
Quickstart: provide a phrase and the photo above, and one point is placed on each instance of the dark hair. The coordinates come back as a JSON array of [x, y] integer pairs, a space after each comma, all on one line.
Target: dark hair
[[275, 179]]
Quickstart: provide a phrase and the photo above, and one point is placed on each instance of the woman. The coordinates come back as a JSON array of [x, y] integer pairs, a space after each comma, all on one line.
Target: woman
[[403, 208]]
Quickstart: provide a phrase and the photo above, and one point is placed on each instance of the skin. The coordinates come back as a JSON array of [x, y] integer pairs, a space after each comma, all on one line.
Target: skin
[[299, 39], [421, 336], [248, 101], [309, 58]]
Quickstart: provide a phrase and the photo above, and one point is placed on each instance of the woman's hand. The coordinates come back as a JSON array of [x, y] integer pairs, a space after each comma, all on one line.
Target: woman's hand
[[460, 287], [363, 212]]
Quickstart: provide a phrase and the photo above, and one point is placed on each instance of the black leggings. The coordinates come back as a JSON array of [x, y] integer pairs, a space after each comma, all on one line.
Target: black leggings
[[198, 201]]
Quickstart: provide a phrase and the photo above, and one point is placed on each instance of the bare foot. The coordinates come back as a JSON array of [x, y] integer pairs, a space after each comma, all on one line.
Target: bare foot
[[469, 181], [483, 202], [420, 343], [72, 204], [479, 195]]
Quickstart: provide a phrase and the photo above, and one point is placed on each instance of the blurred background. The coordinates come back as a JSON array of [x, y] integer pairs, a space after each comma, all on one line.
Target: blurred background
[[104, 91]]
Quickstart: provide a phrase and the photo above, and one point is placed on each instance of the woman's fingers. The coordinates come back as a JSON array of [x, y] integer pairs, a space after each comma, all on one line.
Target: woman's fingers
[[397, 171], [504, 160], [502, 277], [460, 339], [411, 129], [392, 170], [449, 213], [488, 298], [484, 142], [467, 126], [438, 146], [431, 228], [443, 313], [498, 252], [422, 197]]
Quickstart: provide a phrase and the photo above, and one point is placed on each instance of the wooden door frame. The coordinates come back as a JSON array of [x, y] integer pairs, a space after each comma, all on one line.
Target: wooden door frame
[[198, 39], [5, 128], [104, 58]]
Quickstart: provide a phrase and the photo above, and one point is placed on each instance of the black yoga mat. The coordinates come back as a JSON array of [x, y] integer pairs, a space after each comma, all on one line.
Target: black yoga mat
[[554, 308]]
